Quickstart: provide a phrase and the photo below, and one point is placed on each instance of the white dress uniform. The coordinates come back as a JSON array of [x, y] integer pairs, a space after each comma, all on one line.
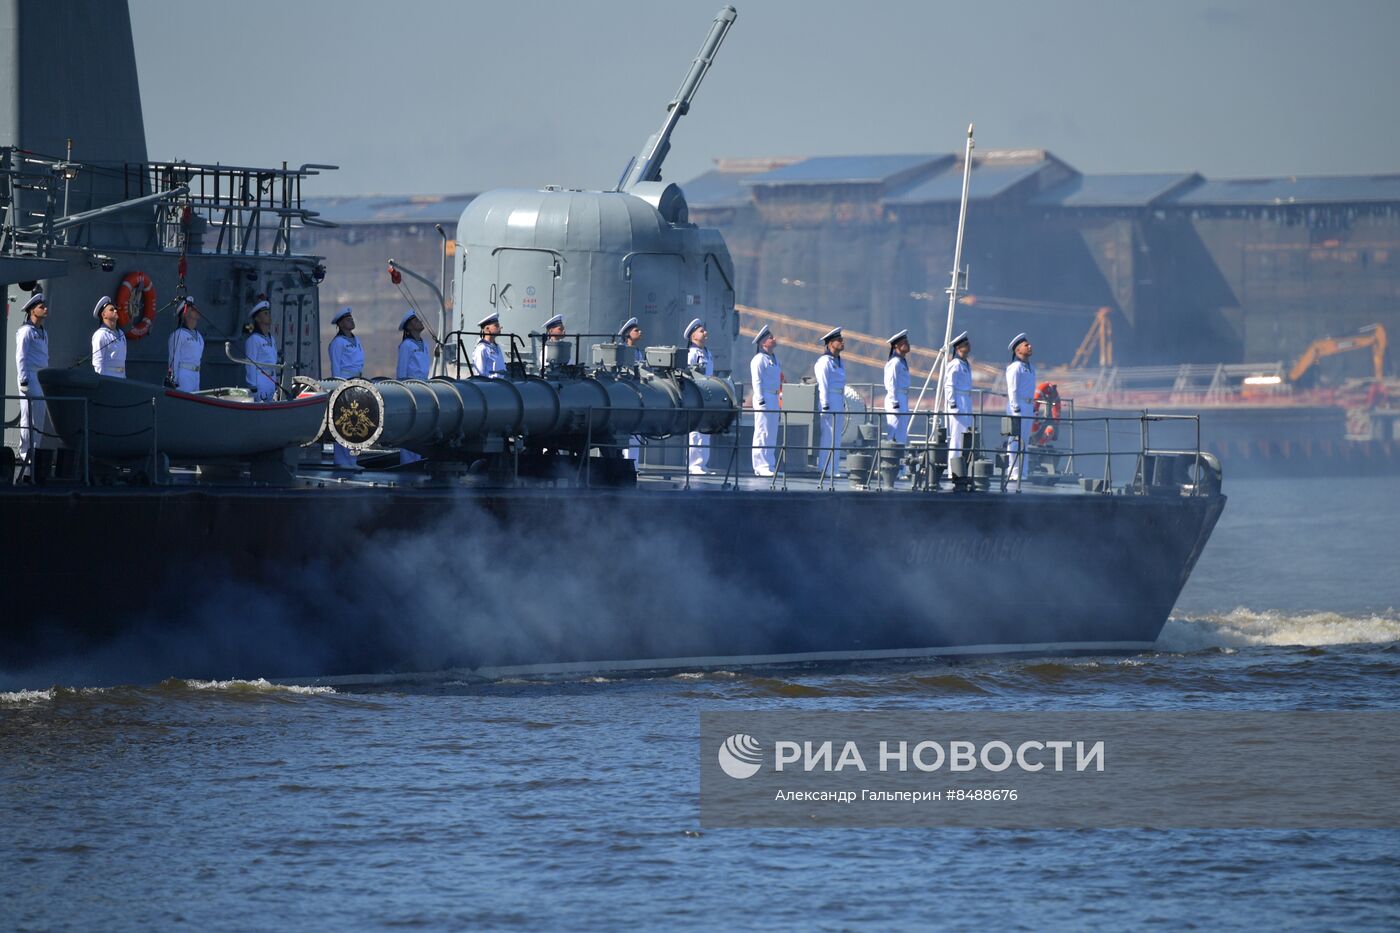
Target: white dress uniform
[[546, 340], [262, 379], [1020, 400], [831, 396], [414, 363], [31, 355], [184, 354], [766, 378], [109, 352], [897, 399], [701, 361], [634, 441], [347, 362], [957, 395], [488, 359]]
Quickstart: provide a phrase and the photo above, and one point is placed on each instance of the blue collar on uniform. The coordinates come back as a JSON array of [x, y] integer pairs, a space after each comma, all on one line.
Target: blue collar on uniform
[[835, 359]]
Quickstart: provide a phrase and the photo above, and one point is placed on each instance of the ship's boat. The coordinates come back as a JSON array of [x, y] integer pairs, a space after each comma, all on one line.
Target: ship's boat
[[123, 419]]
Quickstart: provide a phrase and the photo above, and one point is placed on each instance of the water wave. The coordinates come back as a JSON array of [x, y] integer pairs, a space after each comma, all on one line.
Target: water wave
[[173, 685], [261, 685], [1244, 628]]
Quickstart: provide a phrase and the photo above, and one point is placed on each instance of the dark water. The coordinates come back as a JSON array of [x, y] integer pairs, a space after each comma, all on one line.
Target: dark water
[[572, 804]]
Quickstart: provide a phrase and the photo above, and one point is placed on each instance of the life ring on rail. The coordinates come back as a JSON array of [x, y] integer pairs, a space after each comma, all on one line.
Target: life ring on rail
[[1047, 412], [136, 286]]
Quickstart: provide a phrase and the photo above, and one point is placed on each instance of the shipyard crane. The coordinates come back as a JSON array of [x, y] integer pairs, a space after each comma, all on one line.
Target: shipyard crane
[[1101, 333]]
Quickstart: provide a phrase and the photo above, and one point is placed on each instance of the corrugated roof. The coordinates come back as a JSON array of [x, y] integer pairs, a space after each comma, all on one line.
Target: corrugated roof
[[1123, 190], [1315, 189], [848, 170], [991, 177], [367, 209], [716, 188]]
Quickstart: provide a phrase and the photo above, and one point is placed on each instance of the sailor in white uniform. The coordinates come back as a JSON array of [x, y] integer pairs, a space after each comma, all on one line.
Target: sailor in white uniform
[[261, 353], [414, 361], [488, 359], [831, 397], [32, 355], [347, 362], [897, 389], [957, 396], [108, 341], [766, 379], [1020, 401], [553, 333], [185, 349], [699, 359], [631, 334]]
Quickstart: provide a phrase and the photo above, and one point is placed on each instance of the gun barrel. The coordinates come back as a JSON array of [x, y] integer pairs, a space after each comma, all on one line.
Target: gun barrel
[[647, 166]]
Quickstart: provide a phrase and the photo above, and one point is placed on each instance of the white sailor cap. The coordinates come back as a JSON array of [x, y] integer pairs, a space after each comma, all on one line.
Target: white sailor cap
[[762, 332], [831, 335], [557, 319], [341, 313], [492, 318], [185, 304], [627, 325], [102, 302], [262, 305], [36, 299], [690, 328], [1017, 341], [959, 340], [902, 335], [407, 316]]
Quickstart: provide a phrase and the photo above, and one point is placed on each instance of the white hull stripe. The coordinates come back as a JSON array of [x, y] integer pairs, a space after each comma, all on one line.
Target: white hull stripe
[[727, 661]]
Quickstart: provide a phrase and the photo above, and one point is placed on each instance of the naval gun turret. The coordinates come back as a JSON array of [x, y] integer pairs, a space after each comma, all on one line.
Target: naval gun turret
[[598, 258], [601, 257]]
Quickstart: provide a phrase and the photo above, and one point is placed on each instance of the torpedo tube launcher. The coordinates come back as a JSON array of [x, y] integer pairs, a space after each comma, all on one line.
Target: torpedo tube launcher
[[516, 544], [456, 419]]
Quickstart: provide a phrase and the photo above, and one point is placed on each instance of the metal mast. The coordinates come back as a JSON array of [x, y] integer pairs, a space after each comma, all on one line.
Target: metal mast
[[954, 288]]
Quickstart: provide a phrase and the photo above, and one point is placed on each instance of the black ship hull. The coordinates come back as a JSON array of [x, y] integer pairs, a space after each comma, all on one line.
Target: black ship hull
[[140, 584]]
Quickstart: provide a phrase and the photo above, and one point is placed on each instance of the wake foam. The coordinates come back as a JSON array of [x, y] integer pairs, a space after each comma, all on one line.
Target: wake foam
[[261, 685], [1243, 628], [174, 685], [24, 697]]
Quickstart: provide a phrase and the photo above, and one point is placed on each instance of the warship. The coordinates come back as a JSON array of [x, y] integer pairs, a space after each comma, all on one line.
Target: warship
[[551, 523]]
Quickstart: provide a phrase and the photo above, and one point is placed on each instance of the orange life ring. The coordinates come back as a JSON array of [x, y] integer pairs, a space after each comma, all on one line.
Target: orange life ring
[[136, 285], [1047, 410]]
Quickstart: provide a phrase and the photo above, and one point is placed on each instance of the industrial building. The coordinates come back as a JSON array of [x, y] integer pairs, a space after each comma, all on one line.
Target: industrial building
[[1192, 269]]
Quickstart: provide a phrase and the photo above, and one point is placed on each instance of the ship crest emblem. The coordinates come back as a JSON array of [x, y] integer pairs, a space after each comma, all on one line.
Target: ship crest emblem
[[353, 423]]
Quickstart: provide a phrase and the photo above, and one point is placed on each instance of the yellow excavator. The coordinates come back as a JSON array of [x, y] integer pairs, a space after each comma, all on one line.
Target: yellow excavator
[[1372, 337]]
